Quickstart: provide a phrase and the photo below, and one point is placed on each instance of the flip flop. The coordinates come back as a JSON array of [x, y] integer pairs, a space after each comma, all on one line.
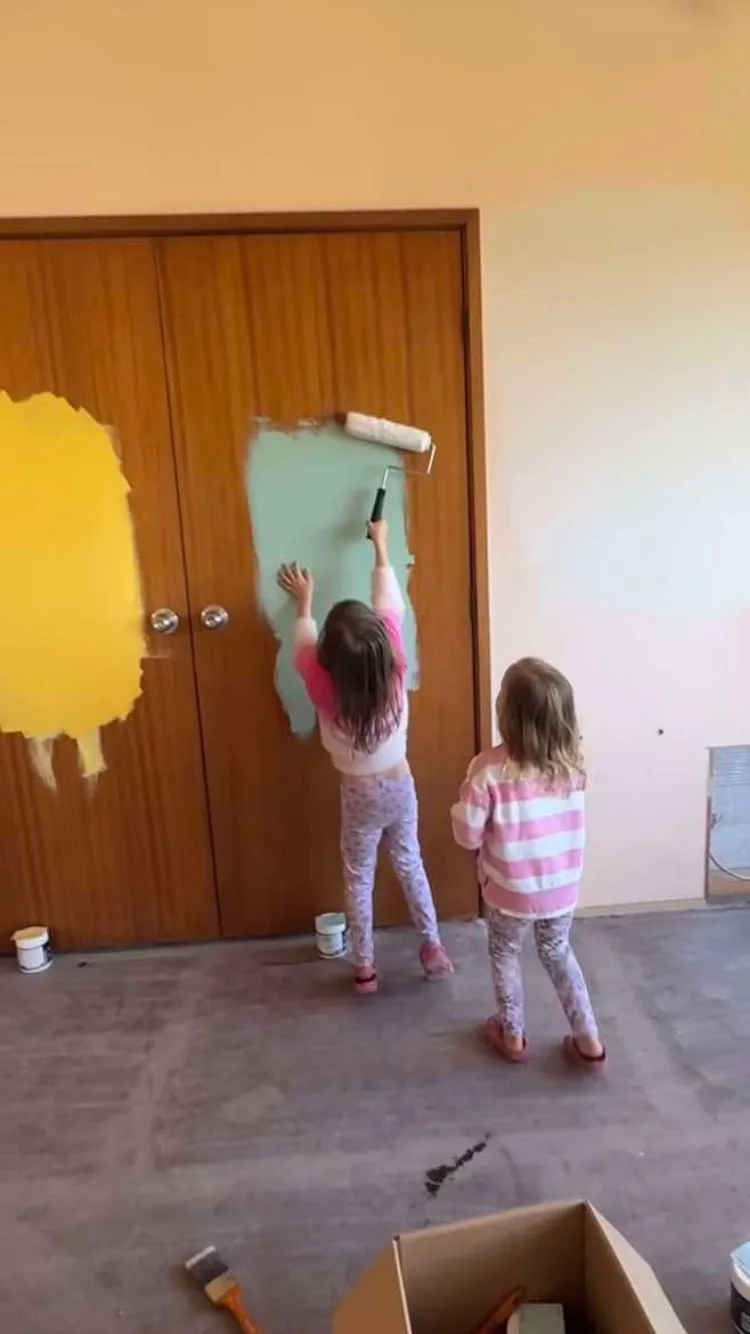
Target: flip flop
[[367, 985], [575, 1056], [492, 1032]]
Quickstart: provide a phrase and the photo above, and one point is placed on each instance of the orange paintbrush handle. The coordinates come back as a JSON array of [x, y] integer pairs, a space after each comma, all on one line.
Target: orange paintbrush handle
[[232, 1302], [502, 1313]]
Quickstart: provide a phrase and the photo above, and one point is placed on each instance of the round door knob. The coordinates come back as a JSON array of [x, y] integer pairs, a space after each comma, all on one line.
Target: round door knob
[[214, 617], [164, 621]]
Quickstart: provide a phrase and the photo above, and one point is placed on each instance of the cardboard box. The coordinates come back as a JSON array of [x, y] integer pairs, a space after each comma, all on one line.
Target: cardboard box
[[446, 1280]]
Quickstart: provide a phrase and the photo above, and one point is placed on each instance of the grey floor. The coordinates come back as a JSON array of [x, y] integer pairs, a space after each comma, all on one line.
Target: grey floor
[[242, 1095]]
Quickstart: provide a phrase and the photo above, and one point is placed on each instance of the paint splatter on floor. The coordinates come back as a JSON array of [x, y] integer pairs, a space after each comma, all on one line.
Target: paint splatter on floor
[[436, 1176], [71, 632]]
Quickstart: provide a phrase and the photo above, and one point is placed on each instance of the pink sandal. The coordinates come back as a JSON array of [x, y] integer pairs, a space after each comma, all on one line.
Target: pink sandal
[[365, 981], [435, 960], [492, 1032], [575, 1056]]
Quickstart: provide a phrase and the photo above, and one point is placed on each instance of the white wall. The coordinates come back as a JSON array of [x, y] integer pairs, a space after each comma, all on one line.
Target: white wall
[[608, 146]]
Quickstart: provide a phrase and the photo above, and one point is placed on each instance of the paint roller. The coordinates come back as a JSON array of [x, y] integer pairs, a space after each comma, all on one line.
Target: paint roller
[[379, 431]]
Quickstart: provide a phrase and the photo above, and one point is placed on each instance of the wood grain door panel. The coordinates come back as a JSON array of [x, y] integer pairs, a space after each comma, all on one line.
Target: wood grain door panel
[[128, 859], [291, 327]]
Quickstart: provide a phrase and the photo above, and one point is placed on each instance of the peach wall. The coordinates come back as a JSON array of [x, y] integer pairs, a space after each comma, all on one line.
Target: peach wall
[[608, 147]]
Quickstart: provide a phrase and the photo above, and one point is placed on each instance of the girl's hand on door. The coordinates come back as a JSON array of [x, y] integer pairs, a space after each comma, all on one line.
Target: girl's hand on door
[[298, 582]]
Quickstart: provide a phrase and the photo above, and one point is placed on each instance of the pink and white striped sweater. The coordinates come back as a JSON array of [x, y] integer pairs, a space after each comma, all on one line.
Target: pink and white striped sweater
[[530, 837]]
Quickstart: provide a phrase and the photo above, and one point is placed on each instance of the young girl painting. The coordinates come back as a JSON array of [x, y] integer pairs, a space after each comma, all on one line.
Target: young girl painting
[[521, 808], [354, 672]]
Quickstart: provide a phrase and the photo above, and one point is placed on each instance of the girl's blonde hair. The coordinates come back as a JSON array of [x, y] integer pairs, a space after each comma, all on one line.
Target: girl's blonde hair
[[536, 715]]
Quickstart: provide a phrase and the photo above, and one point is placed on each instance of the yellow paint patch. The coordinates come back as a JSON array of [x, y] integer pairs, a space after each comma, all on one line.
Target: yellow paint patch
[[71, 614]]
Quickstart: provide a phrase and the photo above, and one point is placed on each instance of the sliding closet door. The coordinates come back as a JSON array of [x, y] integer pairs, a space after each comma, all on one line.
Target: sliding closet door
[[126, 857], [291, 327]]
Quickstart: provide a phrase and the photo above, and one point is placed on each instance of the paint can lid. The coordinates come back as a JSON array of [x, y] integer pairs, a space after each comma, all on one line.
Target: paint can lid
[[31, 935]]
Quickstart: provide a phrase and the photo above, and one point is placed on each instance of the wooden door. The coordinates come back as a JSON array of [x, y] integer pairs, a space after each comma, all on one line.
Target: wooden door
[[127, 859], [288, 327]]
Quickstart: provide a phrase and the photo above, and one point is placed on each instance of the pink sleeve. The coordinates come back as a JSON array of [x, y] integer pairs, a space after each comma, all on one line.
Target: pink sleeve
[[470, 814], [394, 624], [315, 678], [385, 592]]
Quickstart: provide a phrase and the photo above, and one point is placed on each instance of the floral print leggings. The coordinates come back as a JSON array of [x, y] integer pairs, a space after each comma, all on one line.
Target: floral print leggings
[[552, 938], [373, 809]]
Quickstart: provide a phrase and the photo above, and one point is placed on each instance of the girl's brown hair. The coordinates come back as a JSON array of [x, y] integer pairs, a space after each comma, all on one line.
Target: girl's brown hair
[[536, 715], [356, 651]]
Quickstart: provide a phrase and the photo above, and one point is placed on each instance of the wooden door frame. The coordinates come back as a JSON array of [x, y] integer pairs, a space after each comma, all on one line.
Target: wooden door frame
[[466, 223]]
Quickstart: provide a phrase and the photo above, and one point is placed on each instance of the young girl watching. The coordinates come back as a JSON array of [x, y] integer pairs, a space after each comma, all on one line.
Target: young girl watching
[[521, 808], [354, 673]]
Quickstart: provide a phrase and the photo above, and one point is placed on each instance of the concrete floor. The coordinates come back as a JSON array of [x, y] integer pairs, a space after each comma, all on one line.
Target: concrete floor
[[241, 1095]]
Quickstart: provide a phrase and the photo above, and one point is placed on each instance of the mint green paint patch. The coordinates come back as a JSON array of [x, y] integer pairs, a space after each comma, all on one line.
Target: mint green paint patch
[[310, 495]]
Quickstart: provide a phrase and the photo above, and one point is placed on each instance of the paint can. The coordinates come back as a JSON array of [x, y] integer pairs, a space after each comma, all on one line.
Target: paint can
[[330, 935], [33, 949], [739, 1294]]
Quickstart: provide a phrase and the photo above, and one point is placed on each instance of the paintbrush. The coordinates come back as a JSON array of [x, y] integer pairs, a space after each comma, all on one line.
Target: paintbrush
[[221, 1286], [500, 1315]]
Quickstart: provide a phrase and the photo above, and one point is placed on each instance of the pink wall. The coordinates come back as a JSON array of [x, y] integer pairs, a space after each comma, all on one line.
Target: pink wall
[[608, 147]]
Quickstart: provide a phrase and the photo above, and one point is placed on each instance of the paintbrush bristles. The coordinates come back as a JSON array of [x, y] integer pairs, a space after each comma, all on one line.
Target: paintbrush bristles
[[213, 1274]]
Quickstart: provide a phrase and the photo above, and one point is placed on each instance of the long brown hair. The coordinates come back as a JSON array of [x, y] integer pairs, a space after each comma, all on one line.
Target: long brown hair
[[356, 651], [536, 715]]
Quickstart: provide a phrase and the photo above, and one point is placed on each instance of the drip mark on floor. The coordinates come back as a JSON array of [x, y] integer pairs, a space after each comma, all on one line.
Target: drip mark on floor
[[435, 1176]]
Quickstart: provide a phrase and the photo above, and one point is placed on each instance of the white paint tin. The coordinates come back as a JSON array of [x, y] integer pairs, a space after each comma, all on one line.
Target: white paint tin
[[33, 950], [330, 935], [739, 1297]]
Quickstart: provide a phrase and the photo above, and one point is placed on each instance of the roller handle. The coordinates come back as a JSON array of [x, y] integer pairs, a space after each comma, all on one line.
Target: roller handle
[[379, 506]]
